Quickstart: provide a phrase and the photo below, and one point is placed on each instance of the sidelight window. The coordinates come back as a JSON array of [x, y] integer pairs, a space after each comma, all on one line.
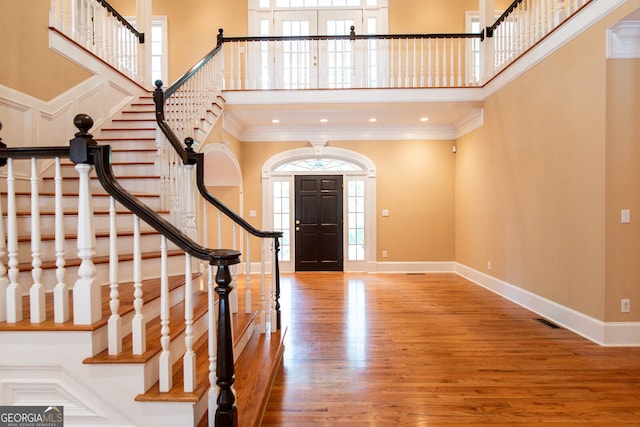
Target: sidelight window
[[282, 217]]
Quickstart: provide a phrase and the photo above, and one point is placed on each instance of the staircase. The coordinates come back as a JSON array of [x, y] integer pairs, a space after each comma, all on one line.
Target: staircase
[[47, 362]]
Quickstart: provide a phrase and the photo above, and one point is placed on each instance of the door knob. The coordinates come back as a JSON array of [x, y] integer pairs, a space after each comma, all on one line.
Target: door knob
[[297, 228]]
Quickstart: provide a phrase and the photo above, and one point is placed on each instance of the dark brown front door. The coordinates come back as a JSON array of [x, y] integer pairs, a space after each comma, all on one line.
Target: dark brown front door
[[318, 222]]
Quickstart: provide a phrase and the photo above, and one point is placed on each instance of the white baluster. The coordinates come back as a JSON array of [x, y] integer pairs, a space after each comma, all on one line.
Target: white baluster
[[460, 62], [212, 347], [239, 67], [437, 64], [452, 81], [138, 329], [429, 72], [189, 359], [190, 205], [115, 322], [406, 59], [38, 312], [414, 71], [247, 253], [166, 376], [14, 293], [4, 280], [263, 295], [421, 61], [392, 68], [274, 313], [61, 290], [561, 12], [444, 62], [86, 292], [399, 82]]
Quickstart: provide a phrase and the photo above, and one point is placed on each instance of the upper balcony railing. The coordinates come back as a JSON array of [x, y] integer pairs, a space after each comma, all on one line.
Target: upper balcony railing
[[351, 61], [333, 61], [98, 27]]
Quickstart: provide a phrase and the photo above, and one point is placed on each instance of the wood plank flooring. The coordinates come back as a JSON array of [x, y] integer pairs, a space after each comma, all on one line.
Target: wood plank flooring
[[437, 350]]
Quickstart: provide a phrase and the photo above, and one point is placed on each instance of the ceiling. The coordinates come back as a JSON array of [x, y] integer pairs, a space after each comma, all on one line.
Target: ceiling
[[350, 114]]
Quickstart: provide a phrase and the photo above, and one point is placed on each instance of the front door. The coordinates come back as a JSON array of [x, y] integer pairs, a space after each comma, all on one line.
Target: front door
[[318, 223]]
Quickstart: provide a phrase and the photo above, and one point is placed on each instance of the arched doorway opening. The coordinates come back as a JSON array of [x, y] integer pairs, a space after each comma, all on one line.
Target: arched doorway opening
[[358, 192]]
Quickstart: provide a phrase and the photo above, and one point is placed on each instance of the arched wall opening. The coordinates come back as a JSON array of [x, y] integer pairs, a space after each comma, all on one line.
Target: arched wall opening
[[359, 175]]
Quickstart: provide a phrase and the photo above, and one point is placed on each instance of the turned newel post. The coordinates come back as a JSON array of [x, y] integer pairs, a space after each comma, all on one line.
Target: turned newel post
[[220, 37], [86, 292], [276, 272], [4, 281], [158, 99], [226, 414]]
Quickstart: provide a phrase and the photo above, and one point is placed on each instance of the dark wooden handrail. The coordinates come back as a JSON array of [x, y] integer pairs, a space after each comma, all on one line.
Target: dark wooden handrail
[[123, 21], [505, 14], [84, 149], [351, 36]]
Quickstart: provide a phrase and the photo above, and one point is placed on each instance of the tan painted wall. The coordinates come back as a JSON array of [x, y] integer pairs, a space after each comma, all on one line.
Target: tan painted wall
[[193, 26], [31, 67], [420, 199], [530, 184], [432, 16], [623, 188], [415, 182]]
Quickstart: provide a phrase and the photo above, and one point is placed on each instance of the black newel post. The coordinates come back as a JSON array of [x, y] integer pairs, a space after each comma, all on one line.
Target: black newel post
[[220, 38], [79, 146], [276, 271], [3, 162], [226, 413], [158, 99]]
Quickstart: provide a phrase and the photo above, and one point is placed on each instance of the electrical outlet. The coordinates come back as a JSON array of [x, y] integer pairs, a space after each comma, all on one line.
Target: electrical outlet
[[384, 254], [625, 305], [488, 265]]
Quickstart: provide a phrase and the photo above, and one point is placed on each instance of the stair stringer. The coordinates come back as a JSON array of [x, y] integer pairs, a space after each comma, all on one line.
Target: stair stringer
[[50, 372]]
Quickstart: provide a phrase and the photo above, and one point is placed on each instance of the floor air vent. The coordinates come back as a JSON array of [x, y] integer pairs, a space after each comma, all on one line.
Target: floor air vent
[[548, 323], [415, 274]]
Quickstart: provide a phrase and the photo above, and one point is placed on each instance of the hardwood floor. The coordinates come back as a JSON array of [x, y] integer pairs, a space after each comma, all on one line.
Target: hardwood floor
[[437, 350]]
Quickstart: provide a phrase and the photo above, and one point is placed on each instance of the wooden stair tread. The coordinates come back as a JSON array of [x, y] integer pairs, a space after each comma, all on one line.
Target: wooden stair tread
[[255, 372], [241, 321], [95, 212], [153, 329], [151, 291]]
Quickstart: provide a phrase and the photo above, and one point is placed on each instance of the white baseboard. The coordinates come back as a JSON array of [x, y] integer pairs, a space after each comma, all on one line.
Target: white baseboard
[[612, 334], [415, 267]]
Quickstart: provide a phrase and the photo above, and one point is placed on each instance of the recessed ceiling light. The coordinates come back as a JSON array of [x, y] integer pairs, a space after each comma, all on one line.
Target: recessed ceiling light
[[275, 121], [424, 119], [373, 119], [324, 120]]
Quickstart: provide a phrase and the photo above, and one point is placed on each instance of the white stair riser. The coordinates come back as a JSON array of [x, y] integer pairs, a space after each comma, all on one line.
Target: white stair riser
[[127, 133], [130, 156], [141, 113], [127, 142], [132, 123]]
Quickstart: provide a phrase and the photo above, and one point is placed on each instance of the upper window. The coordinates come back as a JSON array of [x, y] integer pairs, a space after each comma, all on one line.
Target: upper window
[[319, 164]]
